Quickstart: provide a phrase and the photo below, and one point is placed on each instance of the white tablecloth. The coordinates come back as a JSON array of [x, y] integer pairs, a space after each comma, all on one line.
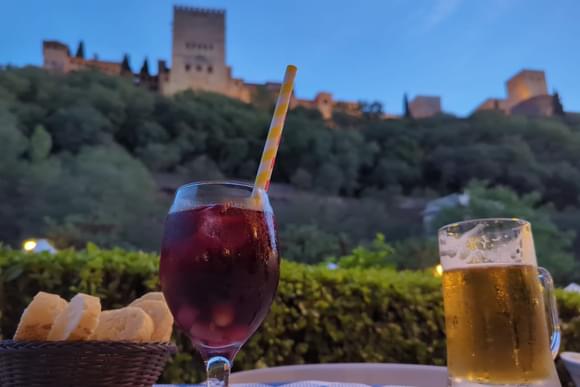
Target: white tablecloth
[[307, 383]]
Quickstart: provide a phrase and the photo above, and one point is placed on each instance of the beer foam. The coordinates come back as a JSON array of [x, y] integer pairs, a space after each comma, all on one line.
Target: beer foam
[[480, 247]]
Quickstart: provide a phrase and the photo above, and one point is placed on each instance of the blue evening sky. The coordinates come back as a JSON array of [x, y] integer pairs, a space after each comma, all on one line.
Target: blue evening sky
[[463, 50]]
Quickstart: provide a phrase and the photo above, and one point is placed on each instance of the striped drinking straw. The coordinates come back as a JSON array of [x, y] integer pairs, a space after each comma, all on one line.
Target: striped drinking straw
[[275, 132]]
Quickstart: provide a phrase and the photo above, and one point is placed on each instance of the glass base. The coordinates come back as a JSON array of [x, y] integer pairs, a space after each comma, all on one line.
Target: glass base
[[218, 372], [460, 382]]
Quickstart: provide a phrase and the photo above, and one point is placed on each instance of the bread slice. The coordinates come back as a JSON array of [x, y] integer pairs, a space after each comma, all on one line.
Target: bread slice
[[151, 296], [129, 324], [161, 316], [38, 317], [78, 320]]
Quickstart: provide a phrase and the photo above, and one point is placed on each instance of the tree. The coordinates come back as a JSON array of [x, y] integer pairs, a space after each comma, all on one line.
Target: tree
[[415, 254], [81, 50], [159, 157], [233, 153], [150, 132], [110, 200], [329, 178], [307, 243], [144, 72], [40, 144], [376, 254], [366, 163], [371, 110], [125, 66], [558, 109], [394, 171], [302, 179], [12, 142], [406, 109], [200, 168], [73, 127]]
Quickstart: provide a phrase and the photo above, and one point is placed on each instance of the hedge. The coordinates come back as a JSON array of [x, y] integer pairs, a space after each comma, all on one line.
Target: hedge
[[319, 315]]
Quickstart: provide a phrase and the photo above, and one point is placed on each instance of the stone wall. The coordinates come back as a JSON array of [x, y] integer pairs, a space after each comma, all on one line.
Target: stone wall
[[524, 85], [425, 106]]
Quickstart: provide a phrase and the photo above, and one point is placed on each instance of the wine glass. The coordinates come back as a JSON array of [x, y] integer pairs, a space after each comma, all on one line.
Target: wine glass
[[219, 268]]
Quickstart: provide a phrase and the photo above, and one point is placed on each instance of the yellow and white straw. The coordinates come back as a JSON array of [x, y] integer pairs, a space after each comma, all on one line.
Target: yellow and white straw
[[275, 131]]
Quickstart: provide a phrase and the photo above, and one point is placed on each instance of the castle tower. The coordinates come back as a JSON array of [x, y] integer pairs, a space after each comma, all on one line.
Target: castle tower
[[56, 56], [324, 103], [198, 52], [423, 106], [525, 85]]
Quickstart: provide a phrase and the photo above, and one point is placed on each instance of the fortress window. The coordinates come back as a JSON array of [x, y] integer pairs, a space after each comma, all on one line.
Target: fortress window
[[210, 69], [187, 67]]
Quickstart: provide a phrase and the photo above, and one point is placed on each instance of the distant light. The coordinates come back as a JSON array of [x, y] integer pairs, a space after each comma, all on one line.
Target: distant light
[[332, 266], [438, 271], [38, 246], [29, 245]]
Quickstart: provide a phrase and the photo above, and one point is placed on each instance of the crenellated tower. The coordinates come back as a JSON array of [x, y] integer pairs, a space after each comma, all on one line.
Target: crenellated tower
[[198, 52]]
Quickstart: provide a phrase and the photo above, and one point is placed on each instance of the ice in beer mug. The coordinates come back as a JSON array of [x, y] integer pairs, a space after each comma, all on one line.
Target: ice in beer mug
[[500, 311]]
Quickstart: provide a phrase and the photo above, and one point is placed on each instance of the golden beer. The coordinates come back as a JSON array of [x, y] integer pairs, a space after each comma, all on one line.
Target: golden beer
[[496, 325]]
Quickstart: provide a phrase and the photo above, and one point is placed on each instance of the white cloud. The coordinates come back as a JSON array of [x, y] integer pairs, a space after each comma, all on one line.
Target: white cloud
[[442, 10]]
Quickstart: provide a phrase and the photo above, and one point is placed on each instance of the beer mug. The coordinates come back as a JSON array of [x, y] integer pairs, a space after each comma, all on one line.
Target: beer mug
[[500, 310]]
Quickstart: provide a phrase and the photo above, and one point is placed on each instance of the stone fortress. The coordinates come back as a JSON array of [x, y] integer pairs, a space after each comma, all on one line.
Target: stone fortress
[[527, 94], [198, 62]]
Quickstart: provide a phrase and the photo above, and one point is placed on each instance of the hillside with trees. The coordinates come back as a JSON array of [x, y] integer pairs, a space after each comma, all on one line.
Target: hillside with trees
[[81, 156]]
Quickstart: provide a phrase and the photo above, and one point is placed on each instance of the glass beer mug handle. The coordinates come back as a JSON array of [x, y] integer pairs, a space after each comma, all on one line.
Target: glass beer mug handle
[[551, 309]]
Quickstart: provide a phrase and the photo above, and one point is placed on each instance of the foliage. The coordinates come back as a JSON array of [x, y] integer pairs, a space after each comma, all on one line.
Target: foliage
[[307, 243], [40, 144], [73, 198], [351, 221], [406, 109], [553, 246], [442, 153], [415, 253], [319, 315], [374, 255], [81, 50], [301, 179], [371, 110], [52, 127], [557, 104], [408, 254]]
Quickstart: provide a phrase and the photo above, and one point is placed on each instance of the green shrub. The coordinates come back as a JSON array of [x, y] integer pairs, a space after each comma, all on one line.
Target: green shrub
[[377, 254], [345, 315]]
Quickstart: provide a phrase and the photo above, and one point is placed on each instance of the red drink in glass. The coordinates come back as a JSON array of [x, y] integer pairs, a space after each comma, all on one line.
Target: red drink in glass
[[219, 273]]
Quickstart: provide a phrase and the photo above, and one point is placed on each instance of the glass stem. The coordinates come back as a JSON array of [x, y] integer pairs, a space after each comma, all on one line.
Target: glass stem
[[218, 371]]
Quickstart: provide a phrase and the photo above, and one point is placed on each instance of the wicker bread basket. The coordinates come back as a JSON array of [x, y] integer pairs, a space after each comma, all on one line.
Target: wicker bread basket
[[82, 363]]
